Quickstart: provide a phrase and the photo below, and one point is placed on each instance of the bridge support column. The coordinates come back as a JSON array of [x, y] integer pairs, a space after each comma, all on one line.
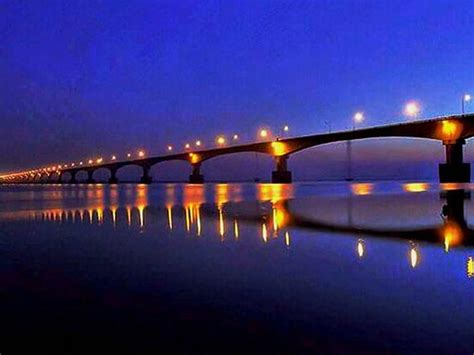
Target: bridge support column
[[454, 170], [90, 177], [146, 178], [281, 175], [73, 179], [196, 177], [113, 176]]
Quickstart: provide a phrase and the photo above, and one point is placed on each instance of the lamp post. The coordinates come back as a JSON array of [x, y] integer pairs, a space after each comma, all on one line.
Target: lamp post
[[412, 109], [465, 99], [357, 118]]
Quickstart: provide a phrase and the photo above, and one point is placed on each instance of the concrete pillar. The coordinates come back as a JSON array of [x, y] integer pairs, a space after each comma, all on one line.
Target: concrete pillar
[[196, 177], [453, 210], [73, 179], [281, 175], [90, 177], [146, 178], [454, 170], [113, 176]]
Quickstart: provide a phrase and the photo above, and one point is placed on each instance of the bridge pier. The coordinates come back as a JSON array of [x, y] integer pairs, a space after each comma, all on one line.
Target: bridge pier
[[146, 178], [196, 177], [73, 179], [90, 177], [113, 176], [281, 175], [454, 170]]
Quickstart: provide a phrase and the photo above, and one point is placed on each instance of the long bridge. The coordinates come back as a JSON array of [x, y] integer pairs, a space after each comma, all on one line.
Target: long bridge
[[451, 131]]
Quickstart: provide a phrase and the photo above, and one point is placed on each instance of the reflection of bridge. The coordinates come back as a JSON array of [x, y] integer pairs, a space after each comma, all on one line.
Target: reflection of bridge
[[452, 131]]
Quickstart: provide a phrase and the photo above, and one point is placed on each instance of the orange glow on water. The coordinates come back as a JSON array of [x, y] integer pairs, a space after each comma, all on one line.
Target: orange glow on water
[[264, 232], [452, 234], [169, 210], [416, 187], [360, 248], [274, 192], [129, 216], [236, 229], [198, 220], [113, 209], [221, 223], [279, 217], [221, 194], [362, 189], [414, 257], [141, 215], [470, 267], [187, 218]]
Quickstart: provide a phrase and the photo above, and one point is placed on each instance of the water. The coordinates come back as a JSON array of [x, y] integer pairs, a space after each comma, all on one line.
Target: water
[[227, 268]]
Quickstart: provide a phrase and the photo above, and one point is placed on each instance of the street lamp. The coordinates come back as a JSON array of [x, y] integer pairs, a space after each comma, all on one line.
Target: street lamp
[[465, 99], [141, 153], [114, 157], [235, 137], [170, 148], [412, 109], [357, 118], [263, 133], [198, 143], [220, 140], [187, 146]]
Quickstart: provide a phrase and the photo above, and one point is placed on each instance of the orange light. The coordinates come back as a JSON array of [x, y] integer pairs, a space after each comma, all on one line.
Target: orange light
[[220, 140], [141, 153], [362, 189], [90, 161], [449, 129], [279, 148], [100, 160]]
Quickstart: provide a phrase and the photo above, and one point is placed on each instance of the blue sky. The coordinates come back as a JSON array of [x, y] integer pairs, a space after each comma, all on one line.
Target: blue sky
[[89, 78]]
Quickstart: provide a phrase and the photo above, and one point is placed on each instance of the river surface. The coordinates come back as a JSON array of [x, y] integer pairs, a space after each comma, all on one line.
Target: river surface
[[230, 268]]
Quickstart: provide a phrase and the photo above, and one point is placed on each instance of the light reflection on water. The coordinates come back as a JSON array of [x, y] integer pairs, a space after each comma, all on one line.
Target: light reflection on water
[[102, 204], [334, 232]]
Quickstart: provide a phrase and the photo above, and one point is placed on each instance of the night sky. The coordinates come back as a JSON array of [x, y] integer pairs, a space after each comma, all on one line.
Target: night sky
[[84, 79]]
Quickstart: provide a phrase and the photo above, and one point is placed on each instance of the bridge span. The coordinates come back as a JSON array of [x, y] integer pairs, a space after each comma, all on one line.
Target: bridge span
[[451, 131]]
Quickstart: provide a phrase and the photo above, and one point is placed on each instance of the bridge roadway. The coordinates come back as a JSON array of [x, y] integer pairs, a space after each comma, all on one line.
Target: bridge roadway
[[452, 131]]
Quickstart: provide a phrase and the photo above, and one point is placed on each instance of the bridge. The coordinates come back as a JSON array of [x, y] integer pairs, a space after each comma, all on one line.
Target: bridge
[[451, 131]]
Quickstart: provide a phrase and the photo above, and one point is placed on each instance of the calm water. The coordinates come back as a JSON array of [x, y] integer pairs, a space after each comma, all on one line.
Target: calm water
[[227, 268]]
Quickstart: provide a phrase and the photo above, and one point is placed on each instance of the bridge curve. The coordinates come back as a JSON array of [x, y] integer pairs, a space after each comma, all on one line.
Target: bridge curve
[[451, 130]]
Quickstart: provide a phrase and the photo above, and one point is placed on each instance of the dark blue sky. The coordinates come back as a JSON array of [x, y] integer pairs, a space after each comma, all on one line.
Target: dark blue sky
[[88, 78]]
